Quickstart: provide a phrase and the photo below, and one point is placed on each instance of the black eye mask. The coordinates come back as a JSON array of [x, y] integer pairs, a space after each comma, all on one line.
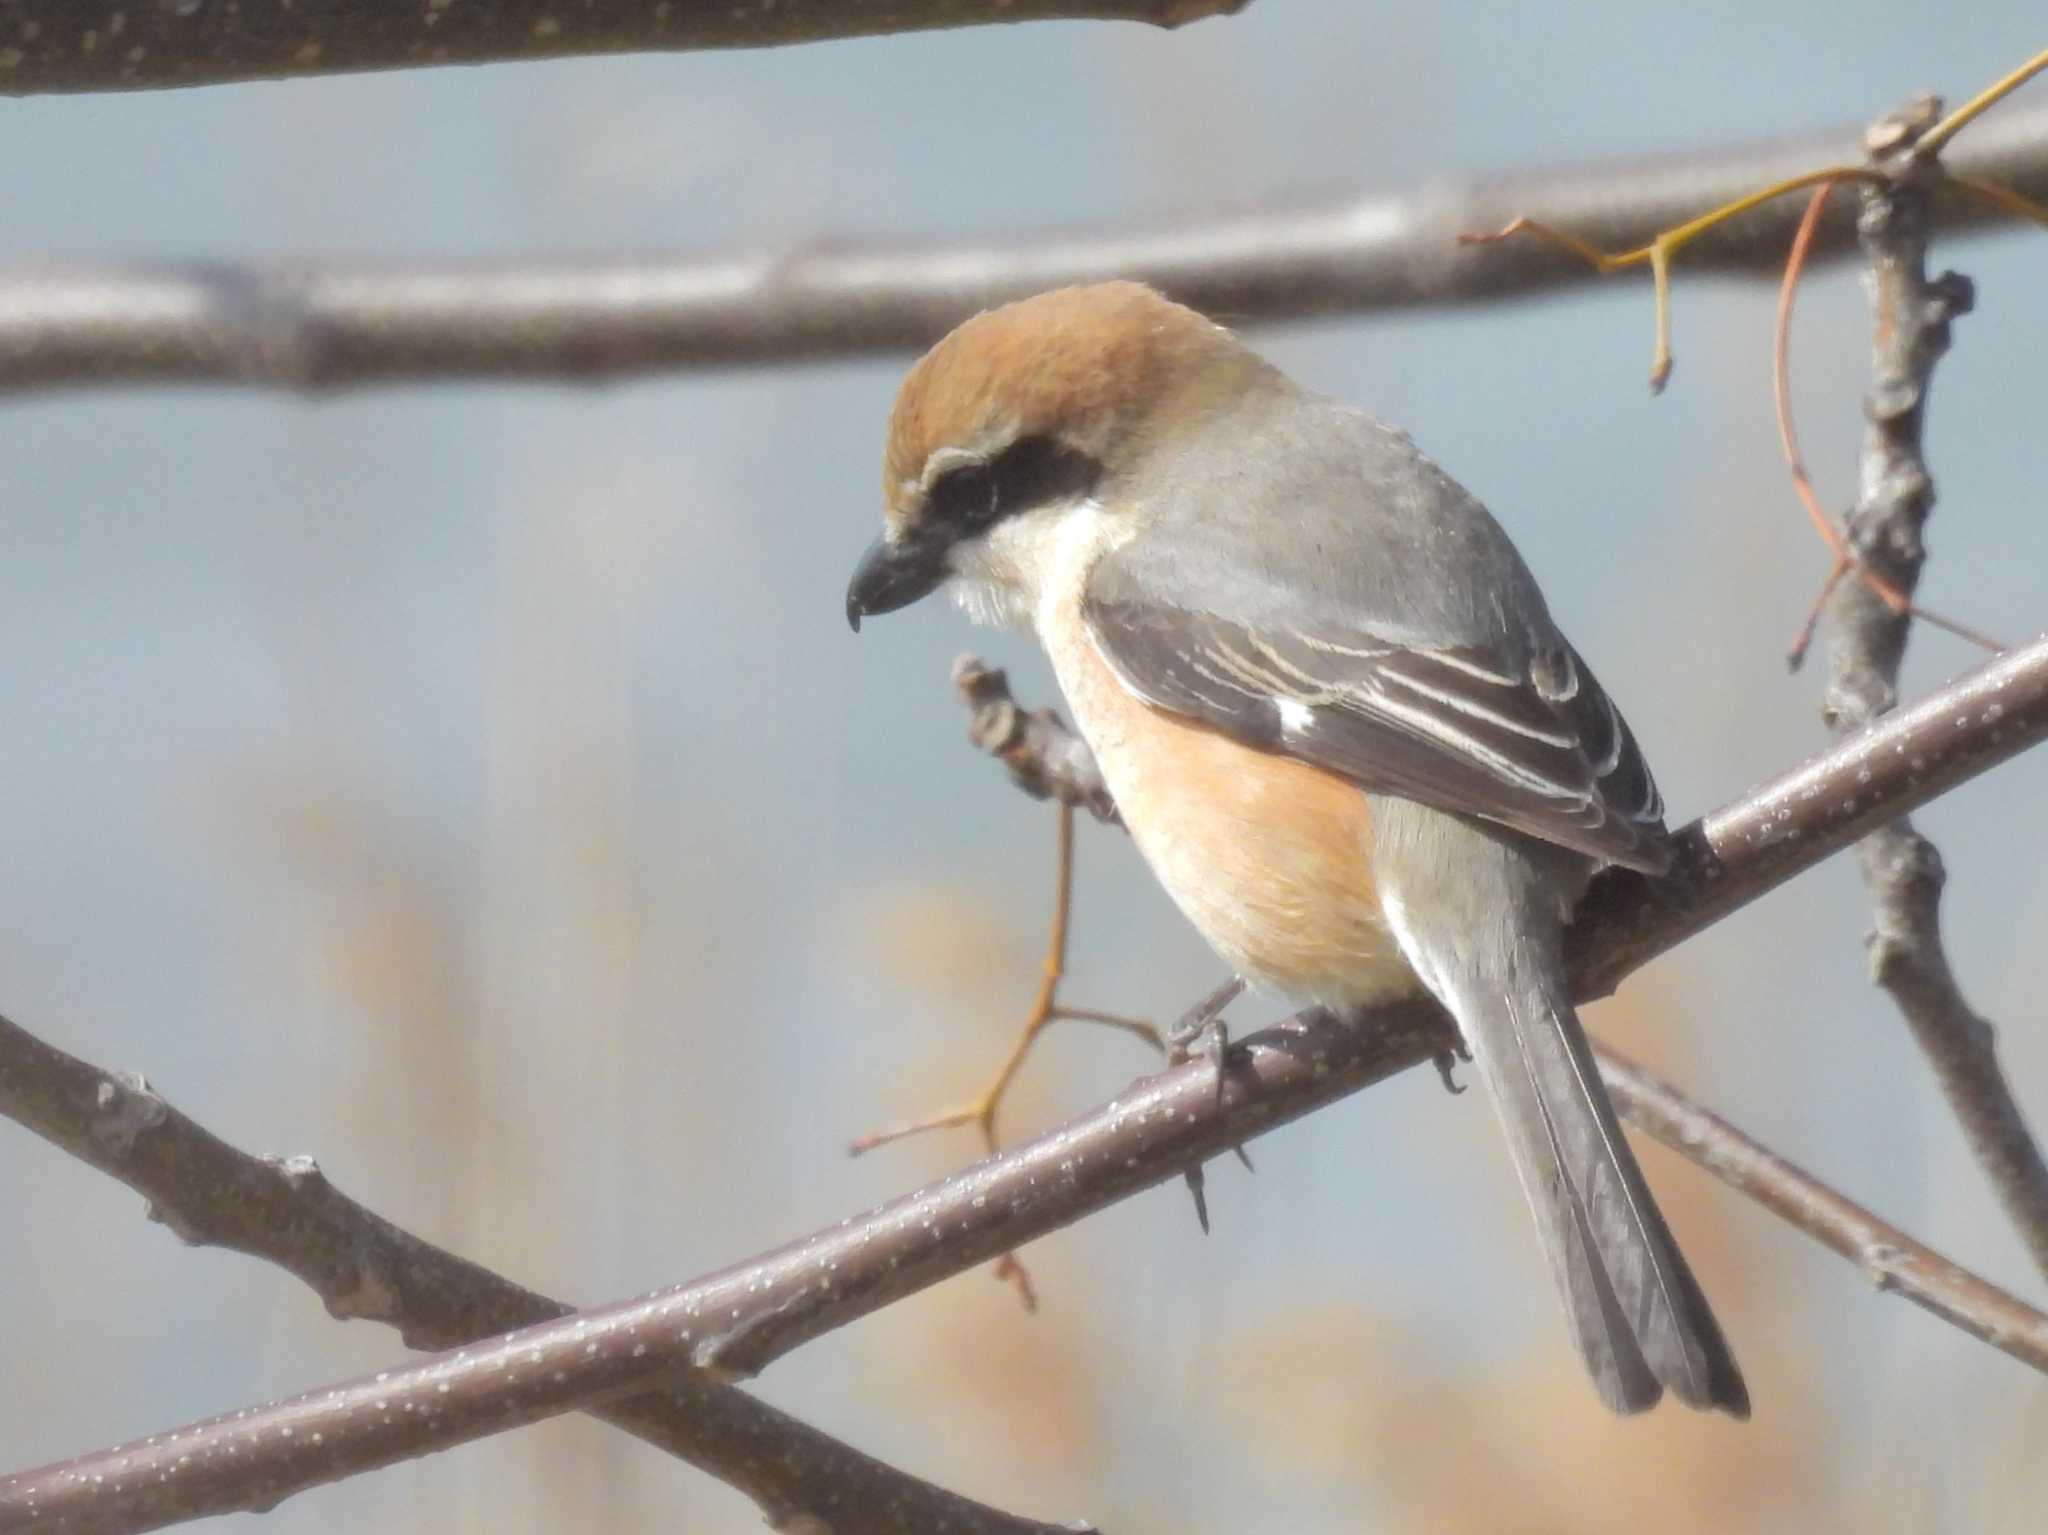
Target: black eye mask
[[1031, 472]]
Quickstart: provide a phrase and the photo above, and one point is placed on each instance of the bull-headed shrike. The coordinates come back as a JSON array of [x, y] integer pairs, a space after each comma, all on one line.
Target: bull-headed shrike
[[1334, 712]]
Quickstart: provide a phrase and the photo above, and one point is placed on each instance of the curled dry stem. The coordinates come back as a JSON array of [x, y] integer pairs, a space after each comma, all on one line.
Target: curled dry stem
[[1658, 252]]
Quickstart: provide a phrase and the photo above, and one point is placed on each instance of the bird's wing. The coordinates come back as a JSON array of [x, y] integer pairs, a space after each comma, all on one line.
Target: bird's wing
[[1513, 729]]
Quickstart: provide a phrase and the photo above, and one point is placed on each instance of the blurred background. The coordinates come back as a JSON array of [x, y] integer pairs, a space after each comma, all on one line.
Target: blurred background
[[478, 789]]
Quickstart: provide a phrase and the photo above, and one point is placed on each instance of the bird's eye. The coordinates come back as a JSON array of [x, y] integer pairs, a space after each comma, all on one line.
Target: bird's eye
[[1032, 471], [966, 499]]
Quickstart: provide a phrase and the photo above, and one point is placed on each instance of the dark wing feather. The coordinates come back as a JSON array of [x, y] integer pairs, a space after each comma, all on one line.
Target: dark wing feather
[[1532, 744]]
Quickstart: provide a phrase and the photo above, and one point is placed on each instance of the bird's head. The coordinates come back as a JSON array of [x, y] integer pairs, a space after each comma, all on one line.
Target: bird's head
[[1023, 419]]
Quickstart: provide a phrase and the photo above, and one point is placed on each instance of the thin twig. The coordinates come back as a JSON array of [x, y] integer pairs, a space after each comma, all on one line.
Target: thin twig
[[1046, 1009], [743, 1318], [60, 45], [1887, 1256], [1802, 482], [1902, 870], [1931, 143], [1788, 436], [360, 1265], [1657, 252], [1046, 761], [308, 326]]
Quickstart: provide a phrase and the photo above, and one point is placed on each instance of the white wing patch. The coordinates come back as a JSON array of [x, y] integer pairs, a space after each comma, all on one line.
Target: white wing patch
[[1295, 716]]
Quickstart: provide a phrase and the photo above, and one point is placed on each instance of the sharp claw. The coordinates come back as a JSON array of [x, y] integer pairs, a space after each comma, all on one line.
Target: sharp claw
[[1197, 1019], [1216, 1044]]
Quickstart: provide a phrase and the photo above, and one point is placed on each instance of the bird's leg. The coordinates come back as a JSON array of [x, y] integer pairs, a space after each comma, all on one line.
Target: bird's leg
[[1202, 1032], [1045, 1010]]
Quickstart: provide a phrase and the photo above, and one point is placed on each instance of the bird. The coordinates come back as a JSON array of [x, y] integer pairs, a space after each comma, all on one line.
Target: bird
[[1334, 713]]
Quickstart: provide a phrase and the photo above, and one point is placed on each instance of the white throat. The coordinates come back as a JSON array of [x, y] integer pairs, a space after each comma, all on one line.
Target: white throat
[[1012, 573]]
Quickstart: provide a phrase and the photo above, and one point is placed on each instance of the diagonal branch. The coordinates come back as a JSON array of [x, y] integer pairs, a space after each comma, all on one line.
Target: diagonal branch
[[360, 1265], [743, 1318], [310, 326], [60, 45], [1887, 1256], [1902, 869], [1050, 760]]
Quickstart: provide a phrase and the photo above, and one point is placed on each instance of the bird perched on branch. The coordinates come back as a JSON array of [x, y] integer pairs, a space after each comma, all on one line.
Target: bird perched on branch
[[1334, 712]]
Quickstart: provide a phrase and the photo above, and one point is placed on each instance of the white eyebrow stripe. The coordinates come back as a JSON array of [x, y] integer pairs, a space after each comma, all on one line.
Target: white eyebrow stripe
[[951, 456]]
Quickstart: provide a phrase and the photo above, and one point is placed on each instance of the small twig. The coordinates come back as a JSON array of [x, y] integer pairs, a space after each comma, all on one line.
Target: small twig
[[1929, 144], [59, 45], [1802, 482], [1788, 435], [744, 1317], [1046, 761], [1902, 870], [362, 1266], [313, 326], [1658, 251], [990, 694]]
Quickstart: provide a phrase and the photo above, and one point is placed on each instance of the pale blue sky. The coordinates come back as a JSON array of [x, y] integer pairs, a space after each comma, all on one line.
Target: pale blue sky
[[499, 756]]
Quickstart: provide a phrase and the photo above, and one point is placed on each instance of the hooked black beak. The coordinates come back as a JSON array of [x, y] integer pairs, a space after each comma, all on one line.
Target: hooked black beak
[[892, 576]]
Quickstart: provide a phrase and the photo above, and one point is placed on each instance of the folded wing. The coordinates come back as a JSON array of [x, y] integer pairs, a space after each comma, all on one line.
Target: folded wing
[[1529, 740]]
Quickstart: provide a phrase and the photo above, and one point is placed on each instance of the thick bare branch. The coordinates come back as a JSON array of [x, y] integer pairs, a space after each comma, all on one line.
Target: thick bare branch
[[360, 1265], [122, 45], [1889, 1257], [743, 1318], [1902, 869], [312, 327]]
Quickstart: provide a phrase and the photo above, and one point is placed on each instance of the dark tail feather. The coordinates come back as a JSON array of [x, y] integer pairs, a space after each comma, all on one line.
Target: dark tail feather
[[1638, 1316]]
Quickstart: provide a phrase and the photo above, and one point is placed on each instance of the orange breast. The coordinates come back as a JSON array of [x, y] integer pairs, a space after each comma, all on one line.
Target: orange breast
[[1269, 857]]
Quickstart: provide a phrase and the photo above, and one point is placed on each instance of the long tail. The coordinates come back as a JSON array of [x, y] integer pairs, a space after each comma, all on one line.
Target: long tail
[[1638, 1316]]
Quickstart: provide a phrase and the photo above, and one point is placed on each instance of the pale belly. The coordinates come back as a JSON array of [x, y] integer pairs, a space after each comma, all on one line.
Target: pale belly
[[1268, 857]]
